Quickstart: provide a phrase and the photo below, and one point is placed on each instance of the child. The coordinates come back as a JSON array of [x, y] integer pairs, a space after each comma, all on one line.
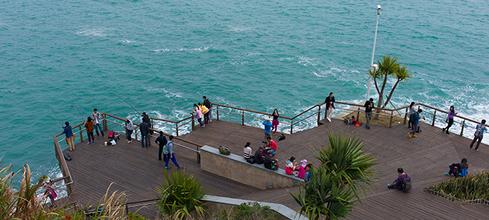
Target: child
[[302, 169], [290, 166], [50, 192]]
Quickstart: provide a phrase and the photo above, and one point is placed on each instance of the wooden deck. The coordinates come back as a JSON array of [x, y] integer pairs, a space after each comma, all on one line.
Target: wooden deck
[[138, 172]]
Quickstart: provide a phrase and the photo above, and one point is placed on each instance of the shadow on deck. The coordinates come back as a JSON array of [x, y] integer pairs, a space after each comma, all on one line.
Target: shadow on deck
[[138, 172]]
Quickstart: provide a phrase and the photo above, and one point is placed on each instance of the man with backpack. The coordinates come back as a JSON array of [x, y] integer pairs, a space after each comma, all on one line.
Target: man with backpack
[[169, 153], [208, 105]]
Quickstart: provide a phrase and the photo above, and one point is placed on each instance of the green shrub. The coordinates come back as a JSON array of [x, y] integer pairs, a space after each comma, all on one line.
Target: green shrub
[[135, 216], [252, 211], [180, 196], [470, 187]]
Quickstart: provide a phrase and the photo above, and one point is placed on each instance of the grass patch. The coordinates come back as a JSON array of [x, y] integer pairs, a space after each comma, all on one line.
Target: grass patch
[[469, 188]]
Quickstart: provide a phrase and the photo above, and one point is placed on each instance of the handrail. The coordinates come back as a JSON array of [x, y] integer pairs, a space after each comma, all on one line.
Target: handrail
[[63, 165], [446, 112], [248, 110]]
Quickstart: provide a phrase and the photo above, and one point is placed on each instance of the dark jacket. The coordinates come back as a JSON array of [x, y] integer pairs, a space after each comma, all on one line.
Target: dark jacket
[[144, 127], [161, 140], [207, 103], [368, 106], [329, 102]]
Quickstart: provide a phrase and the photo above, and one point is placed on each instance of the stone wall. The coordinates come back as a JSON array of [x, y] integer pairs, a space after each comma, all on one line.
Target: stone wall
[[236, 168]]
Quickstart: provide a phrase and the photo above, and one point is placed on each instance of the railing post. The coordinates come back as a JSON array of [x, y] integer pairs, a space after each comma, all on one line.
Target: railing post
[[434, 117], [104, 122], [291, 126], [463, 126], [136, 133], [176, 129], [81, 134], [319, 114], [405, 115], [242, 117], [358, 114], [193, 121], [152, 123], [217, 113], [390, 121]]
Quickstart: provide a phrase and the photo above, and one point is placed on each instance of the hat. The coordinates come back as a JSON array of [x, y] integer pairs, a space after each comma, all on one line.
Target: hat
[[304, 162]]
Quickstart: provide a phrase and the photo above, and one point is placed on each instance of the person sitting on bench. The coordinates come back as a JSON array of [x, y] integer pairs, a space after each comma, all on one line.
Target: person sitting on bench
[[459, 169], [248, 153], [113, 138], [402, 183], [290, 166]]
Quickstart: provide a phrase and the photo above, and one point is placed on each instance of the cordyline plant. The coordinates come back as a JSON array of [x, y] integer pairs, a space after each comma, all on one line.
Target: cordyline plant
[[333, 186], [388, 67]]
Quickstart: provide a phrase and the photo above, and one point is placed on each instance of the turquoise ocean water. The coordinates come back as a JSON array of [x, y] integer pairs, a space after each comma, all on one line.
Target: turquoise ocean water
[[60, 59]]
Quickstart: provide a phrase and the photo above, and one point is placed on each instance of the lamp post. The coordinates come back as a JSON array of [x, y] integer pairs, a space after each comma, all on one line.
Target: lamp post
[[372, 65]]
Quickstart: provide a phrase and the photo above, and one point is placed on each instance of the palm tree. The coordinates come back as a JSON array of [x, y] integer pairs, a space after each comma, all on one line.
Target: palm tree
[[388, 66], [333, 187]]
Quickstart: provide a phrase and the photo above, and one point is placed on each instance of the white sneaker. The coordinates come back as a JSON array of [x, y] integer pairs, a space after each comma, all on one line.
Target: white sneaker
[[329, 119]]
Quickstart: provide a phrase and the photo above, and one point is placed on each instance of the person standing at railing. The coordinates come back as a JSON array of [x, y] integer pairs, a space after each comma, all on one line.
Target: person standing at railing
[[267, 126], [161, 141], [275, 122], [144, 128], [97, 117], [415, 123], [208, 105], [169, 153], [89, 127], [411, 111], [199, 115], [129, 126], [480, 129], [451, 115], [369, 105], [329, 105], [69, 137]]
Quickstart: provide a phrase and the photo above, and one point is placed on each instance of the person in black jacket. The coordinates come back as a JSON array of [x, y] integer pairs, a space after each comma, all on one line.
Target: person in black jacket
[[208, 104], [369, 105], [329, 106], [161, 141], [144, 128]]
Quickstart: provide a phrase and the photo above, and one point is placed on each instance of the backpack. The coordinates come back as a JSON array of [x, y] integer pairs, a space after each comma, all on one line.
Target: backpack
[[454, 169], [274, 164], [203, 109]]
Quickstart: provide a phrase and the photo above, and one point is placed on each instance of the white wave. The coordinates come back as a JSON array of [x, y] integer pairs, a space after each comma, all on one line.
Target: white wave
[[331, 72], [306, 61], [92, 32], [127, 41], [166, 92], [168, 50], [239, 29]]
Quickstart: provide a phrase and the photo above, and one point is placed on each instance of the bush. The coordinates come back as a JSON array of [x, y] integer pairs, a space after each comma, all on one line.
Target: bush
[[471, 187], [180, 196], [252, 211]]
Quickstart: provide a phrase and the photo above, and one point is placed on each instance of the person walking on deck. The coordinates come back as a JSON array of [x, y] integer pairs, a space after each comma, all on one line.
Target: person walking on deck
[[129, 126], [144, 128], [480, 129], [369, 105], [415, 123], [199, 115], [169, 153], [208, 105], [97, 117], [451, 115], [411, 111], [69, 137], [161, 141], [329, 106], [275, 122], [267, 126], [89, 127]]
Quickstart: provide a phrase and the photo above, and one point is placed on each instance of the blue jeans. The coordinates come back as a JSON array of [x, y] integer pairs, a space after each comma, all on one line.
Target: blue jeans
[[167, 157], [145, 140], [99, 128]]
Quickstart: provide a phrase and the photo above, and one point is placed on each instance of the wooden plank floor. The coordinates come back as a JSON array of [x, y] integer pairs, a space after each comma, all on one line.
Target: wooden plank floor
[[138, 172]]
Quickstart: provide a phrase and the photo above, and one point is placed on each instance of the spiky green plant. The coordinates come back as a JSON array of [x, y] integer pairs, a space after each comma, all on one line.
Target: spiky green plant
[[323, 196], [332, 189], [345, 159], [28, 205], [471, 187], [7, 199], [180, 196]]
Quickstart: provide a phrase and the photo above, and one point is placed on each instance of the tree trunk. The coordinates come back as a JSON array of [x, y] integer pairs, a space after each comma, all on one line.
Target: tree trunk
[[391, 93], [376, 86], [381, 97]]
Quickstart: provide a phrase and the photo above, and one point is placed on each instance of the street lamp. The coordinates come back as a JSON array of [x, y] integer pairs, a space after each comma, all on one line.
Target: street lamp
[[372, 65]]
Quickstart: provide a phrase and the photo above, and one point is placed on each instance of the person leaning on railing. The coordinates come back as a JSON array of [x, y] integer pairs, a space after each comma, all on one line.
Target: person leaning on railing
[[329, 106], [369, 105], [69, 136], [129, 126]]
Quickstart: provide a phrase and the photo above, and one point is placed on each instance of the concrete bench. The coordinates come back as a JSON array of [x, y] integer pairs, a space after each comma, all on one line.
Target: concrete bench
[[236, 168]]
